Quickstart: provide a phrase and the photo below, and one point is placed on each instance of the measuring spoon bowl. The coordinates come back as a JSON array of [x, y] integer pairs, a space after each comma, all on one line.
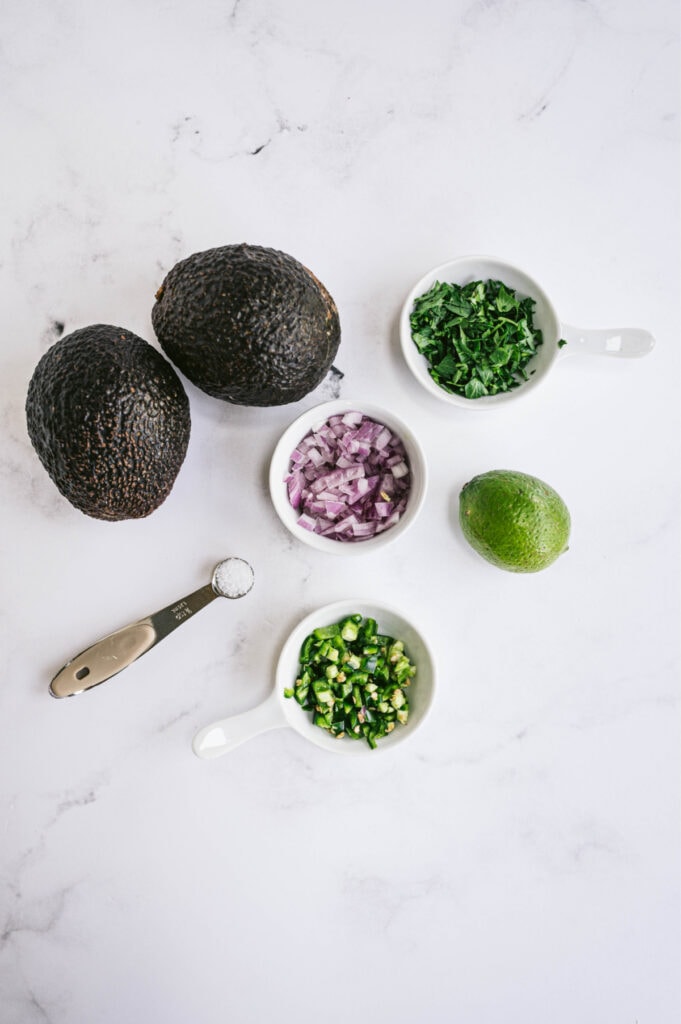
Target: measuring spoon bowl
[[624, 342], [278, 711]]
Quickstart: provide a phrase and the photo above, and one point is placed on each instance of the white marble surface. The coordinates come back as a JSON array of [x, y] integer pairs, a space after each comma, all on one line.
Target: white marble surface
[[518, 859]]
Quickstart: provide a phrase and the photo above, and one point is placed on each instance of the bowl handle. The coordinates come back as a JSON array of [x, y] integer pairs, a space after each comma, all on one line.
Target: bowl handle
[[220, 737], [625, 342]]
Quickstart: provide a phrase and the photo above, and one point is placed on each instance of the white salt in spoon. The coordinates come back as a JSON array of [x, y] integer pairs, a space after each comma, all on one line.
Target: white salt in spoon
[[233, 577]]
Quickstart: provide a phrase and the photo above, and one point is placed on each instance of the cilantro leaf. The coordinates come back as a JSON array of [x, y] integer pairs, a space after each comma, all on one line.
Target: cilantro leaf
[[475, 389]]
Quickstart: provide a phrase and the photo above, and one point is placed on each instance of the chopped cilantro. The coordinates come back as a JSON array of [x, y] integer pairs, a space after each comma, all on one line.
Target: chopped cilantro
[[477, 338]]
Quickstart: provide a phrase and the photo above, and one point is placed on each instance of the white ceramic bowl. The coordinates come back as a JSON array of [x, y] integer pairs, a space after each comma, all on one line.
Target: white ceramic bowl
[[278, 711], [315, 418], [618, 341]]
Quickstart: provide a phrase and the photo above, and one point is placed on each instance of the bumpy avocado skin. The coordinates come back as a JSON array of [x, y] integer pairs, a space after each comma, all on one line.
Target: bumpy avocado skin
[[247, 324], [109, 419]]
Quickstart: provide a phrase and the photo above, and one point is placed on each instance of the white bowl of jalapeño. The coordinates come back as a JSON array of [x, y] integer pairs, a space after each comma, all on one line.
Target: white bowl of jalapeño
[[354, 677]]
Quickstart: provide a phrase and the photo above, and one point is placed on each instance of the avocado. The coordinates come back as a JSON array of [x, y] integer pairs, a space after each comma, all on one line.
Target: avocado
[[247, 324], [109, 419]]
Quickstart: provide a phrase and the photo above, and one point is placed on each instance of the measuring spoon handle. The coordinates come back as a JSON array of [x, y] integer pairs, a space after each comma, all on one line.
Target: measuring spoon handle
[[626, 342], [220, 737], [114, 652]]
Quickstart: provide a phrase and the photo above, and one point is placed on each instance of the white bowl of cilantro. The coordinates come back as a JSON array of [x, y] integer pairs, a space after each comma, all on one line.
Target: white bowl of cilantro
[[479, 332], [354, 677], [347, 477]]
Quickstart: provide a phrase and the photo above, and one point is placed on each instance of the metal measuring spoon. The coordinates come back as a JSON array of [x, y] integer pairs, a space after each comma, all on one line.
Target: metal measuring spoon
[[233, 577]]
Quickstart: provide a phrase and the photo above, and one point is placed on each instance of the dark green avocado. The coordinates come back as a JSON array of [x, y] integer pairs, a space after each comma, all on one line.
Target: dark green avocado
[[109, 419], [250, 325]]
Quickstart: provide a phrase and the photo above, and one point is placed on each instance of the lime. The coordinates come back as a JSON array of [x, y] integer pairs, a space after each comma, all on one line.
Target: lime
[[514, 520]]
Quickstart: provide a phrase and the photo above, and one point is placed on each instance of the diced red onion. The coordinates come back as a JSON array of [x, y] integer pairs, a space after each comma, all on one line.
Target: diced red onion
[[382, 438], [349, 478], [295, 488]]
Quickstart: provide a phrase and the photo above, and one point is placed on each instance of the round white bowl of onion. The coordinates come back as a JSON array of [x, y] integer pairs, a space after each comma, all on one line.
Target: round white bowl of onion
[[347, 477]]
